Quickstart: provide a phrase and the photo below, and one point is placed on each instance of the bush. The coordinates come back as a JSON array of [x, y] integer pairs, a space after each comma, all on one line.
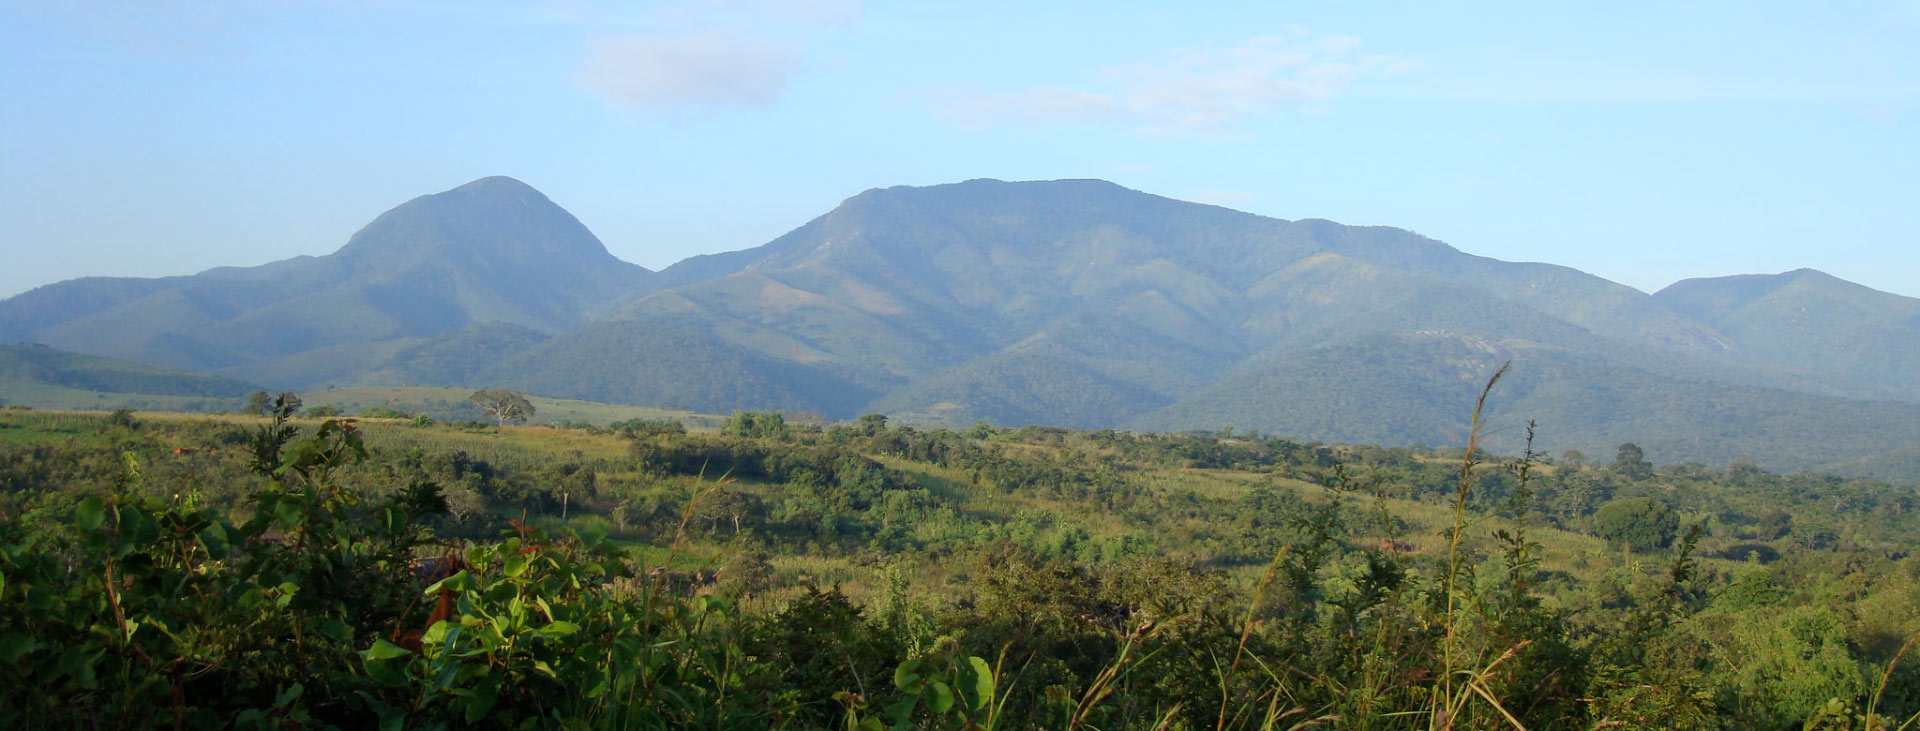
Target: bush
[[1642, 524]]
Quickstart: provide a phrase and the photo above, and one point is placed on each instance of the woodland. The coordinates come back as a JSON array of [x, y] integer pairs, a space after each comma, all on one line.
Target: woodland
[[282, 570]]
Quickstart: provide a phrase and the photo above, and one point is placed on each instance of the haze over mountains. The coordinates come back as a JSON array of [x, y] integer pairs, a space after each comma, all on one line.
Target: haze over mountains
[[1071, 303]]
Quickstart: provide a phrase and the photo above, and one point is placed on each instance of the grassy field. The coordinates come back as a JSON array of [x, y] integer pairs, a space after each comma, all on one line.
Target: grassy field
[[445, 404], [46, 396], [450, 403]]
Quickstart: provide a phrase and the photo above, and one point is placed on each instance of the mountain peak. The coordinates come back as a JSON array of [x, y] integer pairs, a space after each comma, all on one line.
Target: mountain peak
[[497, 219], [499, 186]]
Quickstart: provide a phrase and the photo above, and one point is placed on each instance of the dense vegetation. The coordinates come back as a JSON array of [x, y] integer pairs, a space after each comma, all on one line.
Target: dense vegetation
[[201, 571]]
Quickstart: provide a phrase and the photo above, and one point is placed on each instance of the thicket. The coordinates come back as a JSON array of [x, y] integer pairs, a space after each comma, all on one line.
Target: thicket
[[277, 573]]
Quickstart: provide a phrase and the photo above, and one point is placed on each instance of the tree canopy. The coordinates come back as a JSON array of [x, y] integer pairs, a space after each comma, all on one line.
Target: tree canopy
[[503, 405], [1643, 523]]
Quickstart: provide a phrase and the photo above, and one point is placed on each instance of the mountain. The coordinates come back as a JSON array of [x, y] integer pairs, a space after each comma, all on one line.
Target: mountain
[[1082, 303], [1812, 320], [1407, 388], [902, 283], [491, 251], [1070, 302], [39, 376]]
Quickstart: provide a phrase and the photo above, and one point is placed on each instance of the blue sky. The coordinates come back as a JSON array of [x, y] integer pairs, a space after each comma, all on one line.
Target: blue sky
[[1638, 141]]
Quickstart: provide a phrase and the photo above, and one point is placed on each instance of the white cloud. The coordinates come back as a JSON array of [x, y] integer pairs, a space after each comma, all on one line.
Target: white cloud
[[709, 53], [702, 70], [1195, 89]]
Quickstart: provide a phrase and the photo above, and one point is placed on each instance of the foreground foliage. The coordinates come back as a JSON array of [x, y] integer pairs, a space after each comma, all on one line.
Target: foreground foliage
[[874, 576]]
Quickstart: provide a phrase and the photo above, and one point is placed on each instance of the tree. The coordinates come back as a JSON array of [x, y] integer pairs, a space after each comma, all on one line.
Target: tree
[[1774, 524], [258, 402], [755, 424], [569, 482], [873, 424], [1641, 523], [1631, 462], [503, 405]]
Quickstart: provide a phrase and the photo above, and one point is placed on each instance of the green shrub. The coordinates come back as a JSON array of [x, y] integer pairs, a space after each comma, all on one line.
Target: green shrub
[[1642, 524]]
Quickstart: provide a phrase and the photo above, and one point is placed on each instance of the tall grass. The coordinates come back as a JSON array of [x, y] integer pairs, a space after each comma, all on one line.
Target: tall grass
[[1460, 682]]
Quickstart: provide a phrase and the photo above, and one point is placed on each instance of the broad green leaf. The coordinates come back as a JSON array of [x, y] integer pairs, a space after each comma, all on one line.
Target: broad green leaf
[[939, 697], [560, 628], [90, 514], [384, 650], [906, 674], [901, 709], [437, 634], [515, 566], [982, 682], [287, 590], [459, 581]]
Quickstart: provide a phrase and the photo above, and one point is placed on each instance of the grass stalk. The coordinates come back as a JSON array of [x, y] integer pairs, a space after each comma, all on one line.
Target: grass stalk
[[1444, 705]]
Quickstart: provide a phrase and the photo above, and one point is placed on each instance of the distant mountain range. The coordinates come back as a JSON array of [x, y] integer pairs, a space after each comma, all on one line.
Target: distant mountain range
[[1073, 303]]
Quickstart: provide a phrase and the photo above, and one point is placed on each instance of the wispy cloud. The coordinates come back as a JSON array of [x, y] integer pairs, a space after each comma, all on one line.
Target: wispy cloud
[[1209, 89], [705, 70], [710, 53]]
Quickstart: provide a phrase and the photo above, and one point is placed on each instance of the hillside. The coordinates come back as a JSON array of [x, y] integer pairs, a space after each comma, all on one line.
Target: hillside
[[1813, 320], [1579, 402], [494, 250], [1069, 302], [43, 377]]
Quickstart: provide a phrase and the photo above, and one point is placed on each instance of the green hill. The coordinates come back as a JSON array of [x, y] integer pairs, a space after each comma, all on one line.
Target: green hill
[[1809, 319], [43, 377], [1388, 389]]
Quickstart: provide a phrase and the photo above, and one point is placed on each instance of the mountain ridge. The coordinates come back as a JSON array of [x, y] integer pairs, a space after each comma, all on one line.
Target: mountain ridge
[[1075, 302]]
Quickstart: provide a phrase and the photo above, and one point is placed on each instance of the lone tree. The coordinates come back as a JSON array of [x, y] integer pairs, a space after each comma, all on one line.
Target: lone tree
[[503, 405], [1632, 462], [258, 402]]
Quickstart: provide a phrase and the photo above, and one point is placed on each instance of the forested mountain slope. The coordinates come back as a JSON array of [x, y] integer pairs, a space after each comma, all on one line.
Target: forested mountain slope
[[1070, 302], [1812, 320]]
